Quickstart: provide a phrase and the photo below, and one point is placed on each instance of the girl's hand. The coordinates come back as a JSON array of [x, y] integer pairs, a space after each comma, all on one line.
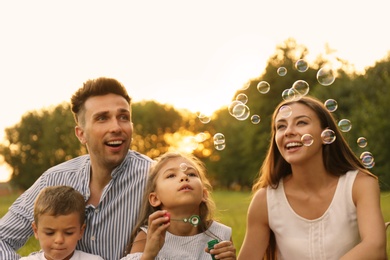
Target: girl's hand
[[223, 250], [158, 224]]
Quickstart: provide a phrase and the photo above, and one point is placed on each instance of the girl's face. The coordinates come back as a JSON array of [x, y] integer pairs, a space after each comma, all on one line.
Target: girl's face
[[178, 185], [289, 131]]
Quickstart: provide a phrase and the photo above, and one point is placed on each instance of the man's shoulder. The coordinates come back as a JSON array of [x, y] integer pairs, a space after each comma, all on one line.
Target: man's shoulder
[[71, 166], [138, 156]]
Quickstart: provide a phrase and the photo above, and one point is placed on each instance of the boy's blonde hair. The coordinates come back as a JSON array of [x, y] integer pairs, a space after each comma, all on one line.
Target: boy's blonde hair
[[59, 200]]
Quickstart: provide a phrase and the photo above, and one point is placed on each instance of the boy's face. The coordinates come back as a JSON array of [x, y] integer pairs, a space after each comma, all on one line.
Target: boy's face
[[58, 235]]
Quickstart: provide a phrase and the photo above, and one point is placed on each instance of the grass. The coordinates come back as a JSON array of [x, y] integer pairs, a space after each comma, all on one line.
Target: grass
[[232, 208]]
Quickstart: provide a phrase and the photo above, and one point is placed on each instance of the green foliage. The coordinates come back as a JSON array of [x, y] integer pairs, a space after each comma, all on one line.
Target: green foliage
[[41, 140]]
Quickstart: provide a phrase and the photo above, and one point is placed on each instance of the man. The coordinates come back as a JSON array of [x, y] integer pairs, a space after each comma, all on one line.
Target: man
[[111, 177]]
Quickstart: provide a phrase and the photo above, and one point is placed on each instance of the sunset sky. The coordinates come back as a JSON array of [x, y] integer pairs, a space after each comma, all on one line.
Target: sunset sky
[[192, 54]]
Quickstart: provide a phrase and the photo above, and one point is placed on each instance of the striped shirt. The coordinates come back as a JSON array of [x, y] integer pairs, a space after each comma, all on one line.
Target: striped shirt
[[108, 225]]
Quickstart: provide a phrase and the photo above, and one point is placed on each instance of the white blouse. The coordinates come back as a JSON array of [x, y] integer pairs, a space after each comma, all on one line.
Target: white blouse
[[327, 237]]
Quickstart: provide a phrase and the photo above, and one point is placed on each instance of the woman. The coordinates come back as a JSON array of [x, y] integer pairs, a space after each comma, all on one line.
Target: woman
[[312, 200]]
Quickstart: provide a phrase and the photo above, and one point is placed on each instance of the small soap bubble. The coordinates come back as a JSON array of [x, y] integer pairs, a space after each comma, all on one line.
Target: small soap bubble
[[370, 166], [204, 118], [183, 167], [301, 87], [255, 119], [219, 138], [242, 98], [307, 139], [345, 125], [285, 111], [288, 94], [246, 86], [219, 147], [239, 110], [331, 105], [263, 87], [362, 142], [325, 76], [201, 137], [301, 65], [367, 159], [232, 105], [245, 113], [328, 136], [282, 71]]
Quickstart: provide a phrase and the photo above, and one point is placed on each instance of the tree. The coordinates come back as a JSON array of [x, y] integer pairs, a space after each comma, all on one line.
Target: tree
[[39, 141]]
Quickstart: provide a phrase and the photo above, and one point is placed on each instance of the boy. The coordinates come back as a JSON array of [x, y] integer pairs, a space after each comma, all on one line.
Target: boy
[[59, 222]]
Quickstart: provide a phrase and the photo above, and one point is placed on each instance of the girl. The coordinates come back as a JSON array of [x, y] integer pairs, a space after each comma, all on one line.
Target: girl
[[313, 200], [176, 216]]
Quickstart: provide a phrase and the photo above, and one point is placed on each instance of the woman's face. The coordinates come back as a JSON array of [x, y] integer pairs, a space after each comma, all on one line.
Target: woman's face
[[289, 129]]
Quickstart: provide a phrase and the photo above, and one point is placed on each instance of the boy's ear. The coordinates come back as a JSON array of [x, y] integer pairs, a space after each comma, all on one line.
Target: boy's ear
[[35, 229], [154, 200], [82, 229]]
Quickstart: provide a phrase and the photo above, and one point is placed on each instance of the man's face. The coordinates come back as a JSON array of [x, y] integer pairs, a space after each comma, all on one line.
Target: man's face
[[106, 129]]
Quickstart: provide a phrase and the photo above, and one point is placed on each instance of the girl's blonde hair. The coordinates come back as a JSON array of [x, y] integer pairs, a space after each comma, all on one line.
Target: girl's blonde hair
[[206, 208]]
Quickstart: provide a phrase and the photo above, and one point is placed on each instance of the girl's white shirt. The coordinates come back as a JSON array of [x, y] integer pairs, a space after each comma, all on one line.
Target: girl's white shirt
[[188, 247], [327, 237]]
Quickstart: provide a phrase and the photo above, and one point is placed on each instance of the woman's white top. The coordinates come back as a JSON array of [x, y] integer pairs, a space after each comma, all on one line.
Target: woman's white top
[[77, 255], [327, 237], [189, 247]]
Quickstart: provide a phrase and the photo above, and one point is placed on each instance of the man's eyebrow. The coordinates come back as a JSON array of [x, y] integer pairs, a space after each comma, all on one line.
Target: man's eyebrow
[[100, 113]]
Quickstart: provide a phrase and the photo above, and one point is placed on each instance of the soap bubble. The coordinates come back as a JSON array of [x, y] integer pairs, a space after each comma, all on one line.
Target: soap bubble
[[301, 65], [282, 71], [345, 125], [325, 76], [263, 87], [243, 112], [301, 87], [328, 136], [219, 138], [183, 167], [232, 105], [331, 105], [307, 139], [362, 142], [255, 119], [288, 94], [285, 111], [243, 98]]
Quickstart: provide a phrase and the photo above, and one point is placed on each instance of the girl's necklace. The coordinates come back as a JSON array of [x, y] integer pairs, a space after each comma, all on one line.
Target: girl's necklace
[[193, 220]]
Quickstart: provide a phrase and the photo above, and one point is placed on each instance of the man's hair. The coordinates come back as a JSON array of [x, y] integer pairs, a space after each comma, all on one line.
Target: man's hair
[[96, 87], [59, 200]]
